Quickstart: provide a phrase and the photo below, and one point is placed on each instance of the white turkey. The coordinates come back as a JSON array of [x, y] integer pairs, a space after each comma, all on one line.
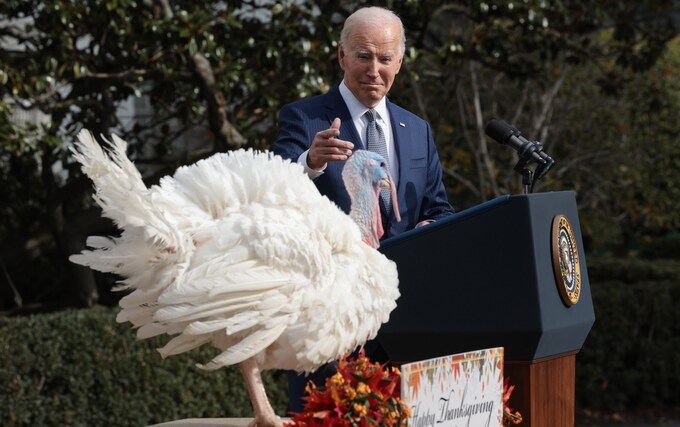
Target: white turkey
[[241, 252]]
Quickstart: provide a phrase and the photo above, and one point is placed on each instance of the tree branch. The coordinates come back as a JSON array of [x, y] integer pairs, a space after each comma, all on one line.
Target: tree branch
[[226, 135], [17, 296], [479, 121], [548, 98], [417, 93], [466, 182], [121, 75]]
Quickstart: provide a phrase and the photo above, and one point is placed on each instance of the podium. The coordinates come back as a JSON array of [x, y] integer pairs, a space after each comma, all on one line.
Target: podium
[[490, 276]]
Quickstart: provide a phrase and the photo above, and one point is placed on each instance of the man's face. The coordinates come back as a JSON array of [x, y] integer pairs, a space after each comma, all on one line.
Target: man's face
[[371, 60]]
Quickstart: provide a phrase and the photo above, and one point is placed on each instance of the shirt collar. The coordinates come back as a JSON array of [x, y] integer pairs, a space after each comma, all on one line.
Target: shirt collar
[[357, 109]]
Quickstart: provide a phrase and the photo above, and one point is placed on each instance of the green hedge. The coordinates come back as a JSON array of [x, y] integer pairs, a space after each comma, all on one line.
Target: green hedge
[[631, 358], [81, 368]]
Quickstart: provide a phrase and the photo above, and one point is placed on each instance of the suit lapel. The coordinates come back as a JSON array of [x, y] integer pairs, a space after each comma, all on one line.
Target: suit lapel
[[400, 134], [336, 107]]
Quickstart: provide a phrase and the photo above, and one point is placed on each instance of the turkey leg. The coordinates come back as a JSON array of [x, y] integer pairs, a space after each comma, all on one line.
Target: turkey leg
[[264, 413]]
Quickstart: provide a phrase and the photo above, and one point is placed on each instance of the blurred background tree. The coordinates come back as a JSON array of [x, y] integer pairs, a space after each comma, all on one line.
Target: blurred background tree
[[595, 81]]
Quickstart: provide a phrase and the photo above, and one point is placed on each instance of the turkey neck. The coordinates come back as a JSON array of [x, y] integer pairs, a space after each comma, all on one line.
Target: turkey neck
[[365, 212]]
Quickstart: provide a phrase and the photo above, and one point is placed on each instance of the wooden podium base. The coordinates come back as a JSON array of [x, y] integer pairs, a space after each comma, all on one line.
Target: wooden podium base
[[544, 390]]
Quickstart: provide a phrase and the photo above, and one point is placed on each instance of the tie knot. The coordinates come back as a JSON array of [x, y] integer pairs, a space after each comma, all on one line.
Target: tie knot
[[371, 115]]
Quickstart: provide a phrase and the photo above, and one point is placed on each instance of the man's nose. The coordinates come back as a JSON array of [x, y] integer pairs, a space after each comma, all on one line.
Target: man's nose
[[373, 68]]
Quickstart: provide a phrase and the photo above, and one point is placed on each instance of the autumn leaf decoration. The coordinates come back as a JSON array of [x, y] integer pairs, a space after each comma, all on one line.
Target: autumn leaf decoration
[[509, 417], [360, 394], [414, 383]]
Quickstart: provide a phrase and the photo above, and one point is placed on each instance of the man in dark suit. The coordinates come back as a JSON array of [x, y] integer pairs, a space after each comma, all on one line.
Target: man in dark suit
[[321, 132]]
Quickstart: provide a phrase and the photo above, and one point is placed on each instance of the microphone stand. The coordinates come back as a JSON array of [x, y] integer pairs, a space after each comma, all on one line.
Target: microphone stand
[[525, 156], [527, 175], [544, 167]]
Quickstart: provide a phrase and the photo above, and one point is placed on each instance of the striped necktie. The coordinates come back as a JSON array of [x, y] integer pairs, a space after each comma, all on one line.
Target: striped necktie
[[375, 141]]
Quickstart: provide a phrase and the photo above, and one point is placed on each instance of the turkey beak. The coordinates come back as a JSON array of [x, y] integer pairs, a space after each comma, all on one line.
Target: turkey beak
[[388, 183]]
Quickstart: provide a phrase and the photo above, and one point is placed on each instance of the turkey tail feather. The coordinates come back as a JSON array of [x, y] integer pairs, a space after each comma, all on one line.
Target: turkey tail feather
[[119, 188]]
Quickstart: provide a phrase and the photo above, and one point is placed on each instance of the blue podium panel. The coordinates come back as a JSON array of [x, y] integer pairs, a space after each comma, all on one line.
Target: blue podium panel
[[484, 278]]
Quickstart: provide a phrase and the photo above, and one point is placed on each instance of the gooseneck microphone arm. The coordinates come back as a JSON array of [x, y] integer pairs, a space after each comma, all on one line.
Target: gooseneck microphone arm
[[528, 151]]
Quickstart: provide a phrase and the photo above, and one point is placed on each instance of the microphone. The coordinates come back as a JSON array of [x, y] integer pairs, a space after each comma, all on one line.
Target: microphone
[[505, 134]]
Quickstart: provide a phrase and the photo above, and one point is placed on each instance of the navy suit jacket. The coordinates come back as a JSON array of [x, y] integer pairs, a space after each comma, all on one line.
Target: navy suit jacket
[[420, 188]]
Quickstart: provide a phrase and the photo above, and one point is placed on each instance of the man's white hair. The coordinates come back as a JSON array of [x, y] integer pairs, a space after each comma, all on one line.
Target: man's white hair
[[373, 15]]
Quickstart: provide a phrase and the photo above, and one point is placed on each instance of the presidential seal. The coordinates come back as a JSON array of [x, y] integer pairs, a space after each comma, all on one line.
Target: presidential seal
[[565, 260]]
